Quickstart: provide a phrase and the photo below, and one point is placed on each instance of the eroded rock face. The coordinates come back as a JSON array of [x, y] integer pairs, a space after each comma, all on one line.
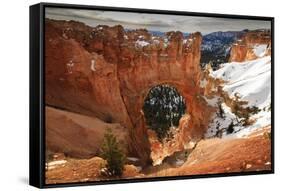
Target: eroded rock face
[[252, 45], [107, 72], [79, 80], [180, 139]]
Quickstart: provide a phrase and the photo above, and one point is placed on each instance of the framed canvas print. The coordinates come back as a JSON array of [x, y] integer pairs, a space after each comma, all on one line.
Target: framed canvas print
[[123, 95]]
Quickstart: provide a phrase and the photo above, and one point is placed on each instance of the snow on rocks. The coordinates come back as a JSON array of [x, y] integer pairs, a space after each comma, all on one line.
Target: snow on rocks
[[70, 63], [93, 65], [251, 80], [248, 166], [142, 43], [203, 83], [156, 41], [268, 163], [69, 66], [166, 42], [126, 37], [212, 101], [55, 164], [133, 159], [220, 123], [260, 50]]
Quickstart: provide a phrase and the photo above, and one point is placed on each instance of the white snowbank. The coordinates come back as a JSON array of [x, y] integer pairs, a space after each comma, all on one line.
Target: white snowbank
[[251, 80]]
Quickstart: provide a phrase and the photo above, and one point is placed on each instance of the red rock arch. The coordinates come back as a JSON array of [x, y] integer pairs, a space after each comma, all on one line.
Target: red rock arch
[[121, 77], [134, 99]]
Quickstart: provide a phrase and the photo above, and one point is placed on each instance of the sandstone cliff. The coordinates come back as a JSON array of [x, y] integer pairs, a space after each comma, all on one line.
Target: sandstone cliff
[[107, 72], [253, 45]]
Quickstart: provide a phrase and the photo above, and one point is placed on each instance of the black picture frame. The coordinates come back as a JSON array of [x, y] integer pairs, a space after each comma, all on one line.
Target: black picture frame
[[37, 93]]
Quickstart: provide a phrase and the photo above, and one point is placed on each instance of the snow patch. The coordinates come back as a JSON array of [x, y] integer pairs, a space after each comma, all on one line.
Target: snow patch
[[203, 83], [141, 43], [155, 41], [179, 162], [93, 65], [54, 164], [213, 101], [260, 50], [70, 63], [69, 66], [133, 159], [57, 162], [166, 42]]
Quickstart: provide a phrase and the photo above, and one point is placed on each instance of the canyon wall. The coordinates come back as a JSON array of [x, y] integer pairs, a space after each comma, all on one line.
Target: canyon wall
[[252, 45], [106, 72]]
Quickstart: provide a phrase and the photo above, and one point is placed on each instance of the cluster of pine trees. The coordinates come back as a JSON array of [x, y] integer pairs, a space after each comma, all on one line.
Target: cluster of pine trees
[[163, 108]]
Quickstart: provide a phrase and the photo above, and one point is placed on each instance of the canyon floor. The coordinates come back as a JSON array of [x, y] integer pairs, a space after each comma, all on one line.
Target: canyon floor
[[210, 156]]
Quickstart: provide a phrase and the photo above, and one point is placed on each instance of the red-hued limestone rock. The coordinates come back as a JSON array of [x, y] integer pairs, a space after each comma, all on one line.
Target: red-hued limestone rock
[[107, 72], [243, 49], [180, 139], [80, 81]]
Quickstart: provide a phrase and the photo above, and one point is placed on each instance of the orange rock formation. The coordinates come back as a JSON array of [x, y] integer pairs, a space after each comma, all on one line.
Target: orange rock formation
[[107, 72], [243, 49]]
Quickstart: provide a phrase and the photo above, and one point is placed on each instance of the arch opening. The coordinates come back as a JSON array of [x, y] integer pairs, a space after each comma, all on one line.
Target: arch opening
[[163, 107]]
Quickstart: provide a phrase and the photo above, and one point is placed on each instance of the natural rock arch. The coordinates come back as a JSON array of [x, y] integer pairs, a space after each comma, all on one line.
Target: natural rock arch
[[122, 76], [196, 108]]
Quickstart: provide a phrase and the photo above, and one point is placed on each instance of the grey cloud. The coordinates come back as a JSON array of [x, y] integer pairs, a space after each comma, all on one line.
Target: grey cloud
[[160, 22]]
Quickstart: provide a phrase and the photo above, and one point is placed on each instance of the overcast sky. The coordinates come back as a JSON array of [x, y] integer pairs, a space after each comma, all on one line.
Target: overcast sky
[[156, 22]]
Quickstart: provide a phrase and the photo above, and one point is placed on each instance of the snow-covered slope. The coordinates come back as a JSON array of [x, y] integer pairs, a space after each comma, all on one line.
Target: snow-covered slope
[[251, 81]]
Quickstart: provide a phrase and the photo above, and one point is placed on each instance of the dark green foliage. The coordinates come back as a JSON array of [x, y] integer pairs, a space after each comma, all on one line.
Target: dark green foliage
[[163, 108], [253, 110], [242, 112], [112, 153], [230, 128], [221, 111]]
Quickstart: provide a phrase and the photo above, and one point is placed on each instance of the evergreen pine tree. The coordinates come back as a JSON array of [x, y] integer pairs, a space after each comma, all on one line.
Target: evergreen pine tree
[[112, 153], [163, 108]]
